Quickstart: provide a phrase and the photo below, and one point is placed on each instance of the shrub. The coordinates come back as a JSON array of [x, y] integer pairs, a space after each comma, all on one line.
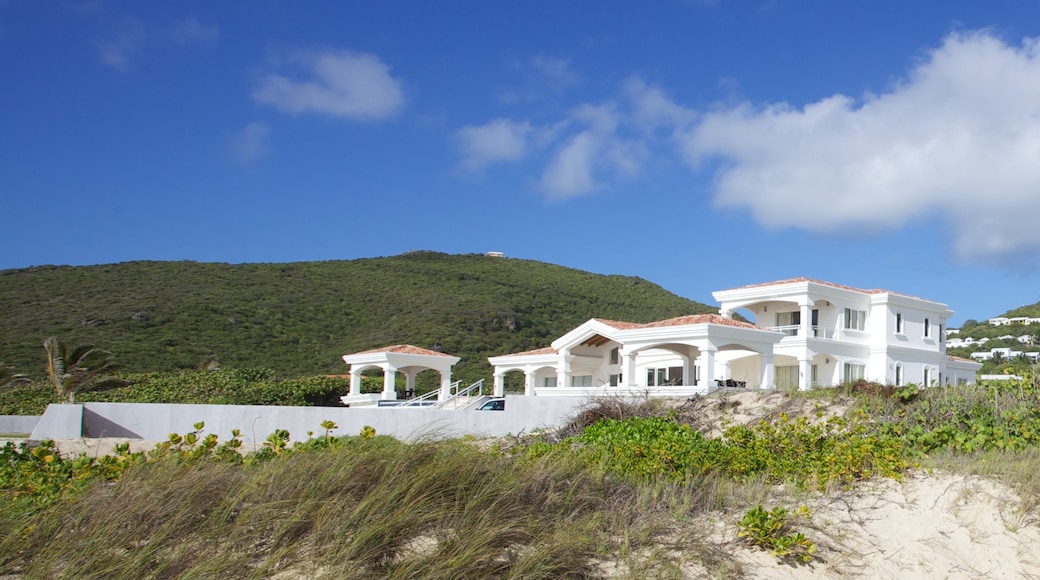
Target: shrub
[[770, 529]]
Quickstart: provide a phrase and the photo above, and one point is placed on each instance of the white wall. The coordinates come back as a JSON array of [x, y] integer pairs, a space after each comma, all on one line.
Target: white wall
[[19, 424], [155, 422]]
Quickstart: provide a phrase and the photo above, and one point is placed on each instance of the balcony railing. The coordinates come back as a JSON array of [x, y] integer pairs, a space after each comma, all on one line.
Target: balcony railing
[[794, 329]]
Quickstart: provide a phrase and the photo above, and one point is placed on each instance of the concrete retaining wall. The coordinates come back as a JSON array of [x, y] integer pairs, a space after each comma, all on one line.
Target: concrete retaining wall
[[18, 423], [155, 422]]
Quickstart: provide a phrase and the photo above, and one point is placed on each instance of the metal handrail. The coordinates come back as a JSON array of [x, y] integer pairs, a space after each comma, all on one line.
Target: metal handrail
[[417, 401], [479, 385]]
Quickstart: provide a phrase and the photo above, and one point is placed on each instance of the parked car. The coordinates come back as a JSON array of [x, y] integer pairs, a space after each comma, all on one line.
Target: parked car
[[493, 405]]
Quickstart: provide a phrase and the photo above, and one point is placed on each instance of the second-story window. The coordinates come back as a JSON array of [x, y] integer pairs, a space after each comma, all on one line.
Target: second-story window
[[899, 323], [855, 319], [927, 328], [614, 358]]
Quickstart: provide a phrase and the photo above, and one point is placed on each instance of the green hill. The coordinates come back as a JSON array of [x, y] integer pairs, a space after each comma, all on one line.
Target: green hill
[[300, 318]]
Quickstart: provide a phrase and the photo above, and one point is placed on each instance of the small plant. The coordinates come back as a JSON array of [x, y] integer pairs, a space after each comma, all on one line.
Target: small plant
[[367, 432], [769, 529], [328, 426], [278, 441]]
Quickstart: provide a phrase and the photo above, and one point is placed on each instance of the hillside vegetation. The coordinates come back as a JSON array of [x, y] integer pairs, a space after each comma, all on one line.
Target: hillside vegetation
[[300, 318]]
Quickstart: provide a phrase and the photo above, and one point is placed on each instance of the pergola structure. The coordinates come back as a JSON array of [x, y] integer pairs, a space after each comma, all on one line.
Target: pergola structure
[[404, 358]]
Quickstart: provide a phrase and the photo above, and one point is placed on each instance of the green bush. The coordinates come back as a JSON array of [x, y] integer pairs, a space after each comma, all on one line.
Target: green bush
[[795, 450], [770, 529]]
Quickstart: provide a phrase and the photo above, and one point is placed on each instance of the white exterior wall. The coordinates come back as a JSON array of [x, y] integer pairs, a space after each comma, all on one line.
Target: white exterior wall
[[154, 422], [878, 347]]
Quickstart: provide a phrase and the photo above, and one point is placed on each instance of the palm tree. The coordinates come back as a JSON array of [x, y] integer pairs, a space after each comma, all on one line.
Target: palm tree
[[9, 378], [80, 369]]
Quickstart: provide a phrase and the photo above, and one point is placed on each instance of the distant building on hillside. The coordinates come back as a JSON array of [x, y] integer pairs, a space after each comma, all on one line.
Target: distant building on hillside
[[496, 254], [1004, 321]]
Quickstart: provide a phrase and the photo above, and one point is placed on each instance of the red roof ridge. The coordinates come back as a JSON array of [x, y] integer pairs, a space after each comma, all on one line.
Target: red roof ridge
[[545, 350], [403, 349], [679, 321]]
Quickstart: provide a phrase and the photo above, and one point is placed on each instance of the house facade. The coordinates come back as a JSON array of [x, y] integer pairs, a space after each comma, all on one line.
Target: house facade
[[835, 334], [803, 333]]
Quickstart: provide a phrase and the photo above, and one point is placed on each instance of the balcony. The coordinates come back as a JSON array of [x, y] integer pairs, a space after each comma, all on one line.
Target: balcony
[[794, 329]]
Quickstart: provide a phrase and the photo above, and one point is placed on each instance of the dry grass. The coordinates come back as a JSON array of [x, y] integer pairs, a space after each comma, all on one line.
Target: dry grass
[[372, 509], [1015, 469]]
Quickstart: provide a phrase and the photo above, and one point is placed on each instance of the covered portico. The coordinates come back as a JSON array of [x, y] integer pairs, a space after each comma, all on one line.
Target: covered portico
[[404, 358], [613, 356]]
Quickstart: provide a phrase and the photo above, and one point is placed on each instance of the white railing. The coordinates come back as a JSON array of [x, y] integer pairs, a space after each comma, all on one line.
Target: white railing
[[424, 400], [820, 332], [463, 394], [795, 330], [788, 330]]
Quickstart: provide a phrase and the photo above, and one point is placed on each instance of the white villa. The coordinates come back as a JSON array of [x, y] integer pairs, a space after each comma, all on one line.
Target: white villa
[[804, 333], [1004, 321]]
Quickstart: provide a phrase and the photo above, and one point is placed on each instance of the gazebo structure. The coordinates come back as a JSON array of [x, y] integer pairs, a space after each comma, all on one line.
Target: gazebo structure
[[404, 358]]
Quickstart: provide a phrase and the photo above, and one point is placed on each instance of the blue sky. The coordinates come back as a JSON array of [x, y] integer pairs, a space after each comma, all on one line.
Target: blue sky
[[701, 145]]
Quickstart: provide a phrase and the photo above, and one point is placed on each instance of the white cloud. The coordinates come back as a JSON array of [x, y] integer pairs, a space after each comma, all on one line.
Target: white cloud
[[587, 158], [958, 139], [652, 108], [570, 171], [251, 143], [590, 148], [344, 84], [499, 140], [542, 76], [117, 49], [556, 72], [191, 31]]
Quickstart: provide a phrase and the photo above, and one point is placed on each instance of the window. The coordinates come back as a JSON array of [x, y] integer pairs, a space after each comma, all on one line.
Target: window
[[786, 376], [855, 319], [927, 328], [853, 372], [788, 322], [615, 380], [664, 376], [788, 318], [581, 381], [899, 323], [549, 382], [614, 356], [899, 375], [927, 377]]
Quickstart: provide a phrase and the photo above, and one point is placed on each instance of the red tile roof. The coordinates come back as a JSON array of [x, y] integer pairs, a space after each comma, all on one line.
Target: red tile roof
[[962, 359], [546, 350], [681, 321], [404, 349]]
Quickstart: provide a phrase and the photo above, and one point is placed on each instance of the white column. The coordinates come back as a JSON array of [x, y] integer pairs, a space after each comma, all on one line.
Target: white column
[[805, 330], [768, 372], [529, 382], [500, 384], [409, 383], [804, 374], [628, 368], [563, 370], [708, 357], [687, 366], [355, 382], [445, 393], [389, 377]]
